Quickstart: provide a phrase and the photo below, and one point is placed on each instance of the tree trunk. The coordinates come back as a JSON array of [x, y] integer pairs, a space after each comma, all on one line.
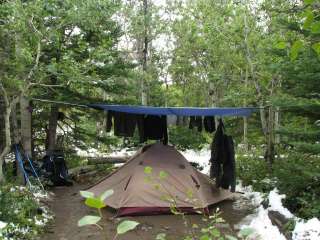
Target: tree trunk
[[277, 125], [245, 119], [2, 126], [145, 54], [26, 132], [253, 76], [263, 120], [16, 140], [2, 133], [270, 151], [52, 129], [7, 146]]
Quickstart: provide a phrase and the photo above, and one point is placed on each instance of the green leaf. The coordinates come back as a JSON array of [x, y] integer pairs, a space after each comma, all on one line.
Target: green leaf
[[52, 68], [189, 193], [308, 2], [88, 220], [106, 194], [246, 232], [163, 175], [316, 48], [215, 232], [87, 194], [205, 237], [148, 170], [161, 236], [126, 226], [315, 27], [195, 225], [229, 237], [309, 19], [281, 45], [296, 47], [95, 203]]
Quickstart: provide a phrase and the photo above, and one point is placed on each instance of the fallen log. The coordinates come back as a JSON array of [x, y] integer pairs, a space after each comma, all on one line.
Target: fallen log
[[104, 160], [81, 170]]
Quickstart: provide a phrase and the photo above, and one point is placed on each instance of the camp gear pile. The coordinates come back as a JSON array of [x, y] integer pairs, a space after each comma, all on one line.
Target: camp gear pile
[[56, 169]]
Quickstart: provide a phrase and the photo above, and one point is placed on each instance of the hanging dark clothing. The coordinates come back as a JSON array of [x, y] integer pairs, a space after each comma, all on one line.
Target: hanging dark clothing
[[217, 154], [140, 124], [195, 122], [109, 121], [209, 124], [222, 160], [229, 168], [155, 128], [124, 123]]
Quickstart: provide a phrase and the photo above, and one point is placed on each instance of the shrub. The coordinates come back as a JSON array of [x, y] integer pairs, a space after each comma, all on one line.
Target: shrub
[[297, 176], [22, 212], [185, 138]]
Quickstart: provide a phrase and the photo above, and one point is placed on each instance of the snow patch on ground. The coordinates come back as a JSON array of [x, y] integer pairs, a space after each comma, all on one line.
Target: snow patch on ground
[[307, 230], [256, 198], [125, 152], [263, 227], [261, 223], [201, 157], [90, 152], [3, 225], [275, 203]]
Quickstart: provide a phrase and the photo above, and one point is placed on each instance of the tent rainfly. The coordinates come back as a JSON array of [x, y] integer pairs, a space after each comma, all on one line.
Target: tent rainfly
[[133, 195]]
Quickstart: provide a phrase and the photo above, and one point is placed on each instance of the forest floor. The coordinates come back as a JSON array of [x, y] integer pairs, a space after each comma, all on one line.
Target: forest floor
[[68, 207]]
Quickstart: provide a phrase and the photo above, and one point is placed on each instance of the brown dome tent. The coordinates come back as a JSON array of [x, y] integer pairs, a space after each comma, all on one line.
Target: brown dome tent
[[133, 195]]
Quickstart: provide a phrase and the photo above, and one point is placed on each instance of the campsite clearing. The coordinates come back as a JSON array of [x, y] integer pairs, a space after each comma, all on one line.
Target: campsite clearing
[[68, 208]]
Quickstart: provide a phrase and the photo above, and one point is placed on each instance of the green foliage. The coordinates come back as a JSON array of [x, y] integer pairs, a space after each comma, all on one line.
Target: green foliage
[[95, 203], [253, 170], [298, 177], [88, 220], [295, 174], [25, 217], [106, 194], [148, 170], [86, 194], [161, 236], [185, 138], [126, 226], [296, 47], [98, 203]]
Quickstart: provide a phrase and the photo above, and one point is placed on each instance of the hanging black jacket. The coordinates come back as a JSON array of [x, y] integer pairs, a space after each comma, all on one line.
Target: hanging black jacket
[[209, 124], [223, 159]]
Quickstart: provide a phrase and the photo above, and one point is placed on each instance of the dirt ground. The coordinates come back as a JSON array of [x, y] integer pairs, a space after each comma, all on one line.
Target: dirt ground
[[68, 208]]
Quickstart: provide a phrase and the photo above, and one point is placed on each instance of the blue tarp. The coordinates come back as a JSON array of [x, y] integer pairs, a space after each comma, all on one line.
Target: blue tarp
[[181, 111]]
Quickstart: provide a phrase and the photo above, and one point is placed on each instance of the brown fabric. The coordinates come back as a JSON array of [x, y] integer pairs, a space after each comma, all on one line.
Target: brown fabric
[[131, 189]]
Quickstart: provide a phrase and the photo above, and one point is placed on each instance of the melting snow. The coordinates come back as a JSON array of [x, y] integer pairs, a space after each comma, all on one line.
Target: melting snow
[[2, 225], [201, 157], [275, 203], [307, 230], [263, 227]]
